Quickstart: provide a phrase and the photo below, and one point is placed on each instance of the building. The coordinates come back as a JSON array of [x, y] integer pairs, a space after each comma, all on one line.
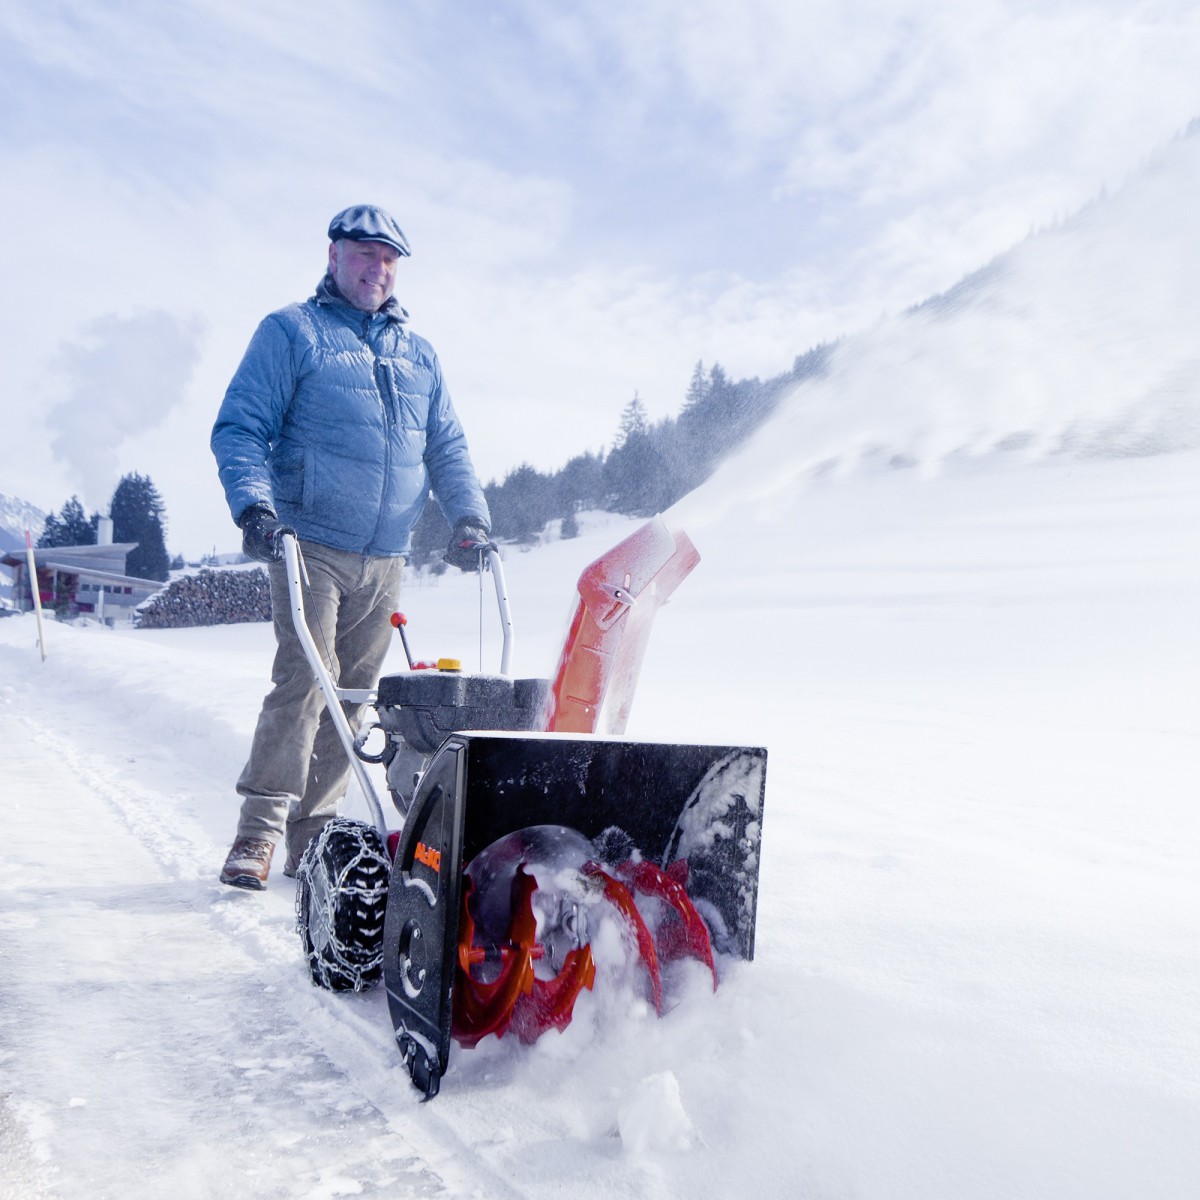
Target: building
[[80, 580]]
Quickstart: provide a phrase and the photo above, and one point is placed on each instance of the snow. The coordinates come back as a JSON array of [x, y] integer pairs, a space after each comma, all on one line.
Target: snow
[[978, 920], [979, 911], [652, 1116]]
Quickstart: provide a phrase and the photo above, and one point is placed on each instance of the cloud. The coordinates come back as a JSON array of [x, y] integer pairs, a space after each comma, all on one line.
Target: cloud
[[859, 114], [123, 377]]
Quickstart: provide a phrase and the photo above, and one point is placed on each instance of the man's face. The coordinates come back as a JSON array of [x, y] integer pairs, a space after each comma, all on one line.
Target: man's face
[[365, 272]]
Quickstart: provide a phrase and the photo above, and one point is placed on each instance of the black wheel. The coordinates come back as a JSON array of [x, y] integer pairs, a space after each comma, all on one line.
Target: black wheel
[[341, 896]]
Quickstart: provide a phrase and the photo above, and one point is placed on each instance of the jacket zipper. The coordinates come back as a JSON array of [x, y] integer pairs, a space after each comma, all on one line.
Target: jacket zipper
[[387, 402]]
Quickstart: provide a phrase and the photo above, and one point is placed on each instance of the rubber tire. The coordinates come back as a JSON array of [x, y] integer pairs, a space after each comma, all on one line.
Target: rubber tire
[[341, 897]]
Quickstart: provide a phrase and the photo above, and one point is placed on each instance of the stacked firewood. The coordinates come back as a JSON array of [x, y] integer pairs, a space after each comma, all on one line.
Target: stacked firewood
[[208, 597]]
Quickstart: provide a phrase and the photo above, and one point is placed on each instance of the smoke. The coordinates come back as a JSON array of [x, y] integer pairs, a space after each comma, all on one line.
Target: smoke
[[123, 377]]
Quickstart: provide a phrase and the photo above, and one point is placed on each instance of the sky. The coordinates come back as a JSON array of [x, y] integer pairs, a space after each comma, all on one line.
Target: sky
[[597, 196]]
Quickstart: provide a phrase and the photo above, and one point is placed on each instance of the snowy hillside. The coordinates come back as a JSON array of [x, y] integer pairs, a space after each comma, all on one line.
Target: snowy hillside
[[1081, 340], [980, 899]]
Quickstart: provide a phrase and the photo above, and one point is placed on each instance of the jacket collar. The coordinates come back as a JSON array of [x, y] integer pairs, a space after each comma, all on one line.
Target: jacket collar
[[327, 294]]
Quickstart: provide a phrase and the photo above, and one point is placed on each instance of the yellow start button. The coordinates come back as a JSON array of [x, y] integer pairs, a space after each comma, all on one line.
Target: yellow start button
[[449, 664]]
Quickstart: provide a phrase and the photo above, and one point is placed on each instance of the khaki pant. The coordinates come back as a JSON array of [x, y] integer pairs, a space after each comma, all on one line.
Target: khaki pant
[[298, 770]]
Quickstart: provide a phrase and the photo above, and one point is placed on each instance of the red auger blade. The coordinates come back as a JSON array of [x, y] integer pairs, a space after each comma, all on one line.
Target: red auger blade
[[676, 939]]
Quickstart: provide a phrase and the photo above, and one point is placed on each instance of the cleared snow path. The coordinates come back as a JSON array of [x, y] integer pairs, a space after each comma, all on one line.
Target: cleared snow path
[[132, 983]]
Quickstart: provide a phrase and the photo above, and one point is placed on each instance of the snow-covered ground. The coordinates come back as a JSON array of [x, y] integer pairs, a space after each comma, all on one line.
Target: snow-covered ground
[[979, 915], [978, 950]]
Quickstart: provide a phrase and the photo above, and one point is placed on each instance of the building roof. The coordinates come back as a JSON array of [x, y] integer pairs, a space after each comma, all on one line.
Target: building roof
[[94, 551], [42, 554], [90, 574], [74, 560]]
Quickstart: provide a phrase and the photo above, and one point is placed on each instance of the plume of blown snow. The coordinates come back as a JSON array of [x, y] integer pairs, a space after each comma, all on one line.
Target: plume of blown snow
[[1080, 340]]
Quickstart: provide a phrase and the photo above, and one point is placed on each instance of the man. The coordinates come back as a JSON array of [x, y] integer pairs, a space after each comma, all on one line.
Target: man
[[334, 427]]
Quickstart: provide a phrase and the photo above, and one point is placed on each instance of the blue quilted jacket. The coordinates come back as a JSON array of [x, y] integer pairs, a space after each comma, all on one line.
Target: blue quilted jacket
[[340, 421]]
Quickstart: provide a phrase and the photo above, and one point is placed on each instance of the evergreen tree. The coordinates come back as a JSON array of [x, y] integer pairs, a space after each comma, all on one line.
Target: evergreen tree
[[70, 527], [138, 516], [634, 421], [717, 396], [523, 504], [697, 388], [628, 469], [51, 534], [580, 484], [79, 529], [430, 537], [640, 478]]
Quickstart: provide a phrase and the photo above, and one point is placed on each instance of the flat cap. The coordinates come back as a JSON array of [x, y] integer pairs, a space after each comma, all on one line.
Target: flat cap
[[368, 223]]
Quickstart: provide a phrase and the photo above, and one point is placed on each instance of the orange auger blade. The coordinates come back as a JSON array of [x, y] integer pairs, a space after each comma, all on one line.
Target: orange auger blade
[[617, 894], [551, 1004], [688, 935], [483, 1008], [516, 999]]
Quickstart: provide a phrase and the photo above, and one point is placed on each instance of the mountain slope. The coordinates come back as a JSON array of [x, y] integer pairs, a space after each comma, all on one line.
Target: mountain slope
[[16, 516], [1081, 340]]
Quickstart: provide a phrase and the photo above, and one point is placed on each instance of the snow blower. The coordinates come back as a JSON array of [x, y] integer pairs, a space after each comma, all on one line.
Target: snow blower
[[529, 825]]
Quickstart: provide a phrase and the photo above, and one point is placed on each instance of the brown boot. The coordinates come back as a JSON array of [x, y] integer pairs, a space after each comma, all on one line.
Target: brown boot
[[248, 862]]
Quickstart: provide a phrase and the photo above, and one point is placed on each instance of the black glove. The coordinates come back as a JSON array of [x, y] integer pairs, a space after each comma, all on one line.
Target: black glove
[[467, 544], [262, 534]]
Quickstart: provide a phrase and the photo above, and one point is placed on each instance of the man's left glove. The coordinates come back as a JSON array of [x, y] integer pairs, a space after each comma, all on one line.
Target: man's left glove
[[467, 544], [262, 534]]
